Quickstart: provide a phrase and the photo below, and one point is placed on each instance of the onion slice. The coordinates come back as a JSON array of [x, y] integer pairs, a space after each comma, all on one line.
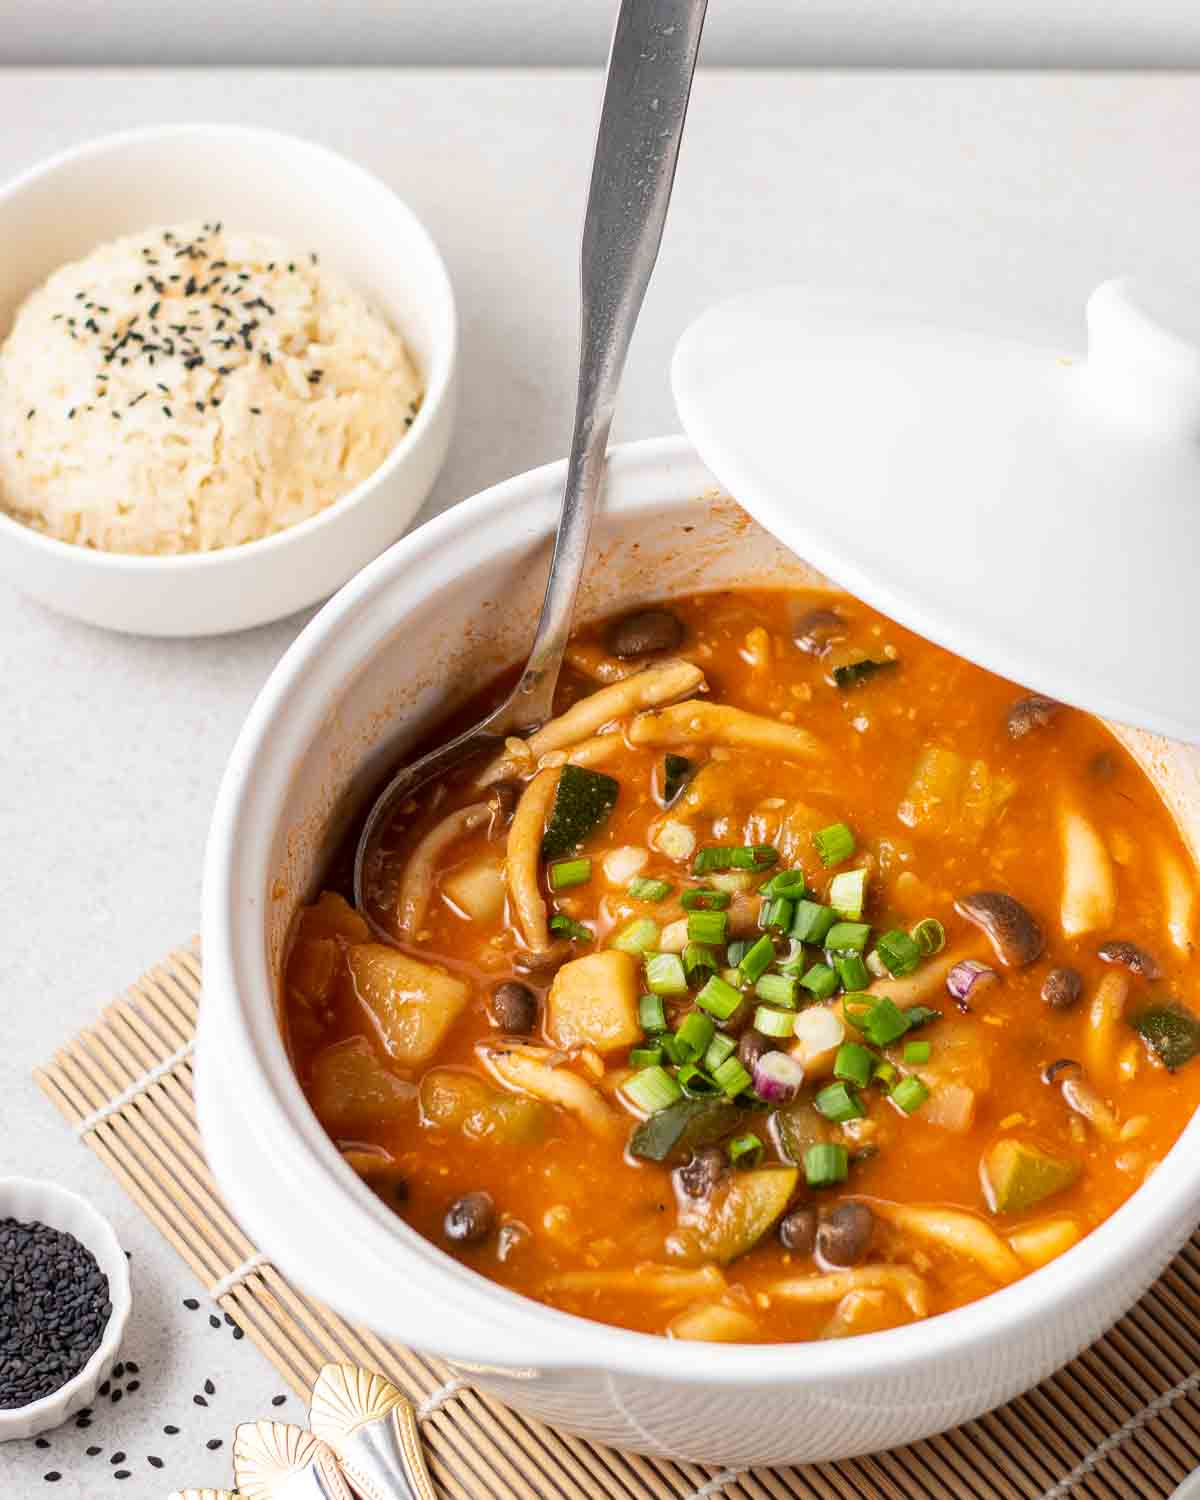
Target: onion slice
[[968, 978], [777, 1077]]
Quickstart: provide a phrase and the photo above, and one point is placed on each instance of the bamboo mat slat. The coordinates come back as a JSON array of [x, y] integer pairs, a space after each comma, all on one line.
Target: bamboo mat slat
[[1121, 1422]]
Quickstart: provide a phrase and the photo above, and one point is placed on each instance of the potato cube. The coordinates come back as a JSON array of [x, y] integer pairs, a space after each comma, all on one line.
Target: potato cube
[[351, 1090], [333, 916], [594, 1002], [413, 1004]]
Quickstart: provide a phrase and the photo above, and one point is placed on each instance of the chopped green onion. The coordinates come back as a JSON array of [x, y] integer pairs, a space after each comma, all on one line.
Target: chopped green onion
[[707, 926], [772, 1022], [677, 770], [820, 981], [704, 898], [909, 1094], [694, 1082], [647, 888], [847, 937], [917, 1052], [839, 1103], [733, 977], [652, 1016], [918, 1015], [731, 1078], [573, 929], [652, 1089], [812, 921], [719, 998], [833, 844], [899, 951], [854, 1064], [757, 959], [851, 971], [885, 1023], [778, 913], [637, 937], [777, 989], [733, 881], [645, 1057], [930, 936], [848, 894], [713, 857], [738, 949], [719, 1049], [886, 1073], [734, 857], [825, 1165], [851, 673], [674, 1051], [694, 1033], [665, 974], [745, 1150], [876, 965], [568, 872], [793, 964], [789, 883], [695, 958]]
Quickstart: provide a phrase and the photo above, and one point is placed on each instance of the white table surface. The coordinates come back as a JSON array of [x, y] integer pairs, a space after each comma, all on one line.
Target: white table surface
[[1013, 193]]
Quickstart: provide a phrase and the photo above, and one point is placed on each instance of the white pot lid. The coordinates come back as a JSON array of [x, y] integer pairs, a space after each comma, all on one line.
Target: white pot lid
[[1035, 511]]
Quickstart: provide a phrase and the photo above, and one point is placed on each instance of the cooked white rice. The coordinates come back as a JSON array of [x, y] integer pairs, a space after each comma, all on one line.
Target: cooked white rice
[[192, 388]]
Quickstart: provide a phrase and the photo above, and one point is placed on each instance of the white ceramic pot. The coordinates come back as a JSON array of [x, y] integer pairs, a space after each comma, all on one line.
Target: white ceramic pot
[[411, 636]]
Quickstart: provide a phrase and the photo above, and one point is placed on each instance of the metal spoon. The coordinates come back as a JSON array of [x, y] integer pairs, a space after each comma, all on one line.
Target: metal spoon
[[646, 93]]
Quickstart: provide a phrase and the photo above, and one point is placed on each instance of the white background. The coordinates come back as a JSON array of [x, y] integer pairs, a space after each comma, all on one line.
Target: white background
[[1013, 193], [886, 33]]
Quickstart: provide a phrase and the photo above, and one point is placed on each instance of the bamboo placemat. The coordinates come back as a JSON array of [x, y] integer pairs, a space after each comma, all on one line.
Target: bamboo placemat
[[1122, 1422]]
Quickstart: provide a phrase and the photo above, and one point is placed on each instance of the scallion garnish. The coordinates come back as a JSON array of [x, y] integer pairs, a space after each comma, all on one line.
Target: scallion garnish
[[665, 974], [811, 922], [731, 1078], [572, 929], [757, 959], [745, 1150], [833, 844], [568, 872], [734, 857], [839, 1103], [777, 913], [847, 937], [652, 1089], [930, 936], [652, 1014], [882, 1023], [648, 888], [854, 1064], [918, 1015], [737, 950], [909, 1094], [777, 989], [707, 927], [719, 998], [718, 1050], [886, 1073], [637, 937], [900, 952], [826, 1165], [848, 894], [789, 883], [917, 1053], [852, 673], [704, 898], [851, 971], [820, 981], [645, 1057], [772, 1022], [694, 1082], [698, 959]]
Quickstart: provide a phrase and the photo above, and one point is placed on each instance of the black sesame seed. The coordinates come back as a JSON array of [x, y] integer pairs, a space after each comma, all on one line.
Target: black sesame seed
[[134, 1385], [41, 1442], [53, 1477], [213, 1444], [105, 1388], [209, 1388], [115, 1397], [154, 1461], [130, 1367], [239, 1333], [171, 1431], [278, 1400], [93, 1451], [117, 1458], [229, 1319], [121, 1474], [214, 1321], [199, 1400]]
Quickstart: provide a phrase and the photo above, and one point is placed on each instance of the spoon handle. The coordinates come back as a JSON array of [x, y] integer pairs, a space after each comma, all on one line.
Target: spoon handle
[[649, 80]]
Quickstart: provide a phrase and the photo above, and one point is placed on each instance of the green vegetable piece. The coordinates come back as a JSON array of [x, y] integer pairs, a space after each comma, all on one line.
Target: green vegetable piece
[[856, 672], [735, 1217], [909, 1094], [833, 844], [812, 922], [839, 1103], [1020, 1175], [848, 894], [637, 937], [826, 1165], [704, 898], [820, 981], [583, 799], [746, 1151], [852, 972], [665, 974], [1171, 1031], [648, 888], [847, 937], [900, 952], [683, 1127]]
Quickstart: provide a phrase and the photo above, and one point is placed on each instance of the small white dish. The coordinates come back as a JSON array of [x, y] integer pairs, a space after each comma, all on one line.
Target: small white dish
[[261, 181], [29, 1201]]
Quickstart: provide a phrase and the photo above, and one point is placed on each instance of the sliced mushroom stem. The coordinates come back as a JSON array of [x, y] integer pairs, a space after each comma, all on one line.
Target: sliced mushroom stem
[[416, 890], [522, 865], [719, 724]]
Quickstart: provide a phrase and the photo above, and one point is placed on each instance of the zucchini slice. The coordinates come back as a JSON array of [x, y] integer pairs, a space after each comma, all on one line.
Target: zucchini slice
[[675, 1132], [855, 672], [677, 772], [582, 801], [1171, 1030]]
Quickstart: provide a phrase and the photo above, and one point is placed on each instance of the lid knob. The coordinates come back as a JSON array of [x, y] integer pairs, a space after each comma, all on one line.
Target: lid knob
[[1144, 352]]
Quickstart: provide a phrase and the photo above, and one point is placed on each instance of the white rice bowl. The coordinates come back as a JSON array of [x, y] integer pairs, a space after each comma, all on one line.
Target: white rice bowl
[[193, 388]]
